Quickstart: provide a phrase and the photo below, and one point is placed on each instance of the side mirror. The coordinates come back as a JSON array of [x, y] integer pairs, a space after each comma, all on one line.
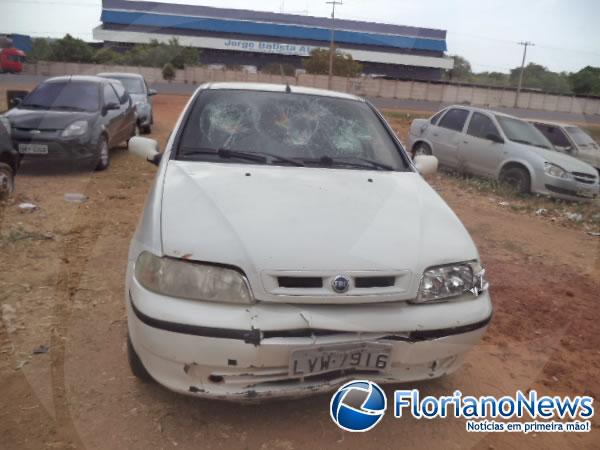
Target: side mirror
[[426, 164], [494, 138], [110, 107], [152, 92], [145, 148]]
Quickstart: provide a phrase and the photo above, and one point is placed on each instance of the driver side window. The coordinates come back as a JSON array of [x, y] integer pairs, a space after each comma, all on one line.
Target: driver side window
[[110, 95], [481, 126]]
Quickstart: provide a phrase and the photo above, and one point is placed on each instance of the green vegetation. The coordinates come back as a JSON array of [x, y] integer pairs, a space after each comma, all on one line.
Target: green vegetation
[[168, 72], [154, 54], [343, 64], [535, 76]]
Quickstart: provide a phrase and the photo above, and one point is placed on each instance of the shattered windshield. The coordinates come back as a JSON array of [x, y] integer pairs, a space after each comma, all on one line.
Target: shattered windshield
[[293, 127]]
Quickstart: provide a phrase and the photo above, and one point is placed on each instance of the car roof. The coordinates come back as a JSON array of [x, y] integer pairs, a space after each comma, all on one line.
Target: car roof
[[483, 110], [88, 78], [548, 122], [279, 88], [119, 74]]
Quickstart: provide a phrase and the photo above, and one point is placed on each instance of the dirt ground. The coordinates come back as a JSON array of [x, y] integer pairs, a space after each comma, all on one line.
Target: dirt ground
[[64, 378]]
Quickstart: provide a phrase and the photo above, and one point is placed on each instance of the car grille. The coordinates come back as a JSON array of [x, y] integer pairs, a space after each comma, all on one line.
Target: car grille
[[317, 282], [584, 177]]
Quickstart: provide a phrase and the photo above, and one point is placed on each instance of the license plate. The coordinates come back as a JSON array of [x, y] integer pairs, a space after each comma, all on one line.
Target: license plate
[[33, 149], [317, 360]]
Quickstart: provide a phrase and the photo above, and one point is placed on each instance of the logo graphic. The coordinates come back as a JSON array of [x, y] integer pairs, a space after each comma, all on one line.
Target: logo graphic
[[340, 284], [358, 405]]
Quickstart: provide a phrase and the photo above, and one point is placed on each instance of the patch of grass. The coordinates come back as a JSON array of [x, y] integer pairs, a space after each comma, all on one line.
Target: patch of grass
[[404, 115], [556, 210]]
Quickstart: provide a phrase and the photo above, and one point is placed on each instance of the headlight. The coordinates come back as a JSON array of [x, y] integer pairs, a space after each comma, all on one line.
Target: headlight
[[556, 171], [6, 123], [186, 279], [75, 129], [443, 282]]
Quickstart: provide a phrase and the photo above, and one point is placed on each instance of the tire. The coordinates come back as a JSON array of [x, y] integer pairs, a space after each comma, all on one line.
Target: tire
[[7, 181], [103, 154], [135, 363], [518, 178], [421, 149]]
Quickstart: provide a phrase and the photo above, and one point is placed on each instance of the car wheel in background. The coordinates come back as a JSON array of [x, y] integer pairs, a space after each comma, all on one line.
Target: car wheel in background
[[517, 178], [7, 181], [103, 154], [421, 149], [135, 363]]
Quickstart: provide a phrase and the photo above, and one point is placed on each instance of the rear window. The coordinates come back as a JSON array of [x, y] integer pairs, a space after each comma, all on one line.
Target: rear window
[[454, 119], [579, 136], [293, 126], [68, 95]]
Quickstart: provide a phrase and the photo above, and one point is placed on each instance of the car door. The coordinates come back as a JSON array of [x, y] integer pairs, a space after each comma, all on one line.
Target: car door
[[128, 113], [446, 135], [112, 117], [481, 148]]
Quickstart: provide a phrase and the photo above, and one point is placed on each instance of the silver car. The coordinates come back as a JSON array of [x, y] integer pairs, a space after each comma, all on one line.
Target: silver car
[[571, 140], [502, 147], [140, 94]]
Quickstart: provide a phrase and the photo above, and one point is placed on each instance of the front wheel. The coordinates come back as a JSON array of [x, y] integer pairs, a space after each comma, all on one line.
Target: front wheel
[[103, 155], [7, 181], [516, 178]]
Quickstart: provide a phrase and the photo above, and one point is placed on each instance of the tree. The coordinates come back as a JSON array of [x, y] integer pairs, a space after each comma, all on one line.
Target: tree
[[536, 76], [586, 81], [107, 56], [70, 49], [461, 71], [168, 72], [40, 50], [343, 64]]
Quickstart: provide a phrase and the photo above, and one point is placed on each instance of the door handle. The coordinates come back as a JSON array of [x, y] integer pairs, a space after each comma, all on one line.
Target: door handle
[[465, 142], [435, 134]]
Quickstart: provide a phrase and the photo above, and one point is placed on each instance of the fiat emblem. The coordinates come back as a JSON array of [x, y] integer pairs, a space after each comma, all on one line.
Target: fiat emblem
[[340, 284]]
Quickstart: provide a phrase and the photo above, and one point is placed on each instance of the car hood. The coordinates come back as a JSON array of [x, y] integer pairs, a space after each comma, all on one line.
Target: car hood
[[568, 163], [45, 119], [271, 218]]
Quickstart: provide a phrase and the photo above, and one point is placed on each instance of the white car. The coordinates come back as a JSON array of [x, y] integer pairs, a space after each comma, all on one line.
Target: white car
[[571, 140], [289, 244], [498, 146]]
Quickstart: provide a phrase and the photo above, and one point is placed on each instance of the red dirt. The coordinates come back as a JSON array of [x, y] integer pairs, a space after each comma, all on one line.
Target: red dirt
[[61, 286]]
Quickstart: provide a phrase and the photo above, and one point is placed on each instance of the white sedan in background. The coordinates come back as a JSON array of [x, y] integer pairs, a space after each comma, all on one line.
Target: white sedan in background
[[498, 146], [290, 244]]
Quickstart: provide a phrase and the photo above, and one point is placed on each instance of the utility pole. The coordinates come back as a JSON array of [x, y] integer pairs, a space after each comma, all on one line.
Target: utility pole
[[524, 44], [333, 3]]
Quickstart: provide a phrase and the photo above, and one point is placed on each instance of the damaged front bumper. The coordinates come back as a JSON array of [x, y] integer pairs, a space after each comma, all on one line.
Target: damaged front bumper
[[236, 352]]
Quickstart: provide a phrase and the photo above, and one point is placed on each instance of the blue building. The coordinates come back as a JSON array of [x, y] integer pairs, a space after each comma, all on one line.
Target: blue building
[[244, 37]]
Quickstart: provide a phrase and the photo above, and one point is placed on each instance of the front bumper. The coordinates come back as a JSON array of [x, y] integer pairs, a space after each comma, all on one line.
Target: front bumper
[[567, 189], [59, 149], [240, 352]]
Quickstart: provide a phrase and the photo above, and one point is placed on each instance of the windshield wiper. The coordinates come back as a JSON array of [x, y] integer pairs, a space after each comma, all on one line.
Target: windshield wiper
[[259, 157], [34, 105], [69, 108], [359, 162]]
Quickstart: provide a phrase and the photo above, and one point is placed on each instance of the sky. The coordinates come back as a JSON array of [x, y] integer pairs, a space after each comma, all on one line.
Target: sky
[[566, 33]]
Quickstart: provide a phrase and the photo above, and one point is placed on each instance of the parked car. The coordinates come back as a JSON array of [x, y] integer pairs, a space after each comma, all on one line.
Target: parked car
[[571, 140], [502, 147], [73, 118], [289, 244], [141, 94], [9, 160]]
